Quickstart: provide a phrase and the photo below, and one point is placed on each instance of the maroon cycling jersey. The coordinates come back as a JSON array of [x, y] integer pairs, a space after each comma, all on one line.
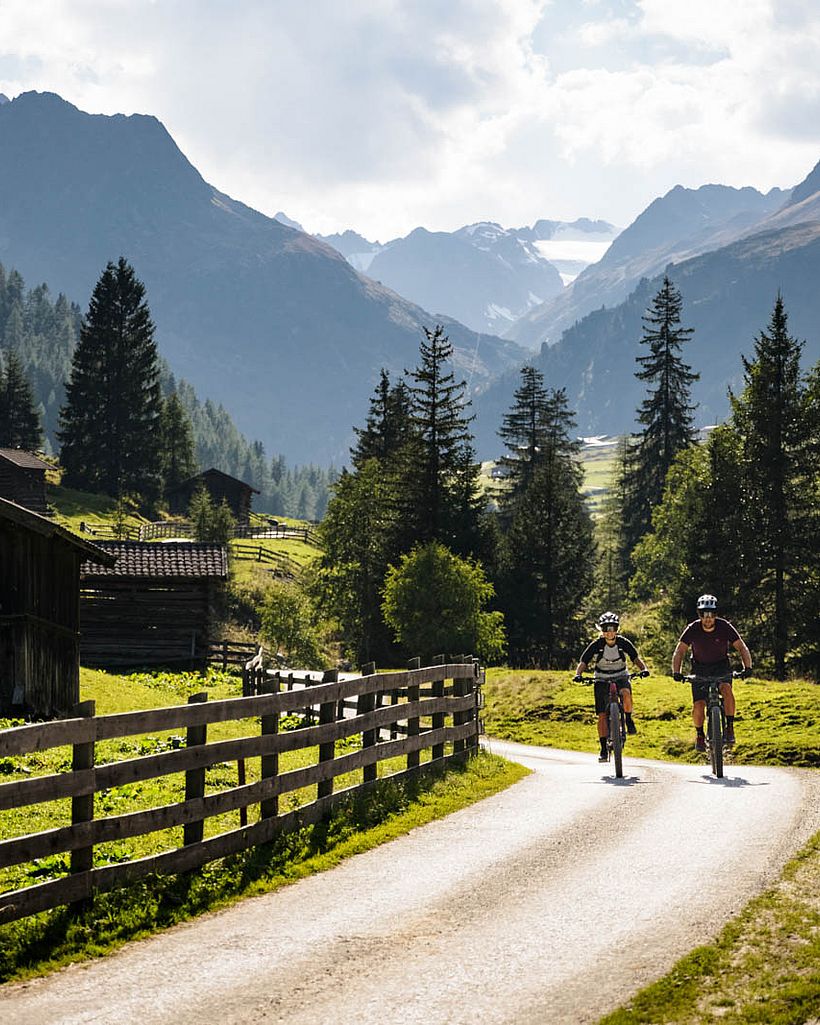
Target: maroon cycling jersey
[[709, 646]]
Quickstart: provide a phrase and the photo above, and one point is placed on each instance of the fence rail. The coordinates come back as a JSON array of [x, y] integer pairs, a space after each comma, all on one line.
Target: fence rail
[[184, 528], [416, 702], [282, 563], [232, 653]]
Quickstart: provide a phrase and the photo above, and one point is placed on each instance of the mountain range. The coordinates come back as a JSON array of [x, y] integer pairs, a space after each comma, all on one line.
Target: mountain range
[[729, 269], [289, 331], [484, 275], [271, 322]]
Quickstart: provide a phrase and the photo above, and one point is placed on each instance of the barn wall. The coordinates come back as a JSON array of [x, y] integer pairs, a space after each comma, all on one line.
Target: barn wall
[[150, 622], [39, 620]]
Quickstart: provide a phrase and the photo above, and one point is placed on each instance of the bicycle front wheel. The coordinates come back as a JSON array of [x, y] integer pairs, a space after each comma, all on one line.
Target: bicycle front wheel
[[615, 738], [716, 740]]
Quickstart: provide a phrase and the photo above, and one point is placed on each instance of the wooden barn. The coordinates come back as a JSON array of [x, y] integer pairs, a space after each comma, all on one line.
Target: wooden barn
[[219, 485], [40, 613], [23, 479], [158, 605]]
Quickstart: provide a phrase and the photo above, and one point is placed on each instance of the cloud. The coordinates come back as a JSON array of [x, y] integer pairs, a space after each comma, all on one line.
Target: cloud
[[384, 114]]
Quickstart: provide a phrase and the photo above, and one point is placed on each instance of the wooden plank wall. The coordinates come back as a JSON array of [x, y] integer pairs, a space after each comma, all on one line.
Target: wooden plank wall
[[145, 622], [418, 697]]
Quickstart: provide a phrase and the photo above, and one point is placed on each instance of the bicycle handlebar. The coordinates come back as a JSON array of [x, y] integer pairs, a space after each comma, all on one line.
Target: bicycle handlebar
[[615, 676], [696, 678]]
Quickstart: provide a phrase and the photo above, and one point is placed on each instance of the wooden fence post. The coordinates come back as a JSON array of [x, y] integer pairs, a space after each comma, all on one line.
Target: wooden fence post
[[413, 757], [438, 717], [82, 808], [478, 680], [459, 718], [269, 764], [193, 832], [367, 703], [327, 714]]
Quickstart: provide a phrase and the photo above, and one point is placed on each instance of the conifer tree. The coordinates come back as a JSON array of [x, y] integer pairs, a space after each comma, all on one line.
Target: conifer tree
[[388, 426], [177, 441], [109, 424], [437, 485], [20, 422], [538, 427], [666, 413], [548, 551], [778, 494]]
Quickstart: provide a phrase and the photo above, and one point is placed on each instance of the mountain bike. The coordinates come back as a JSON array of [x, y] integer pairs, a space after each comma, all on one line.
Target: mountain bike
[[715, 716], [616, 718]]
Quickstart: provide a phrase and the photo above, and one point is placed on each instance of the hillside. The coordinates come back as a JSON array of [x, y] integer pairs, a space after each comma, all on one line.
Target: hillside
[[682, 224], [271, 322], [728, 295]]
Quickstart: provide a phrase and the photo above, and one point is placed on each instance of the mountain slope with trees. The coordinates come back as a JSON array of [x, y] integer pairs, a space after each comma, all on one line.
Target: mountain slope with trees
[[246, 307], [727, 294]]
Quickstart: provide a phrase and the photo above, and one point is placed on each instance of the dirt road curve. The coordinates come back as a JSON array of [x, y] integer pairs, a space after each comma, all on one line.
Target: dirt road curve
[[501, 913]]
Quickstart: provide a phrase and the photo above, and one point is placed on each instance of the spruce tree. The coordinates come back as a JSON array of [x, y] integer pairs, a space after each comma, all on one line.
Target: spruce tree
[[177, 441], [548, 550], [437, 486], [20, 422], [388, 426], [666, 413], [109, 424], [778, 494], [539, 426]]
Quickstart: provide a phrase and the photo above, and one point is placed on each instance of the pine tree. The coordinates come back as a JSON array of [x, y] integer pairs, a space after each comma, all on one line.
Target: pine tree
[[548, 551], [20, 421], [778, 495], [109, 425], [666, 413], [177, 443], [437, 484], [388, 426]]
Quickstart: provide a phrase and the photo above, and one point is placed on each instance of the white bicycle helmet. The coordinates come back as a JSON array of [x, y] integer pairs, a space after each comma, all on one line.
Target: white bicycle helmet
[[707, 601], [609, 619]]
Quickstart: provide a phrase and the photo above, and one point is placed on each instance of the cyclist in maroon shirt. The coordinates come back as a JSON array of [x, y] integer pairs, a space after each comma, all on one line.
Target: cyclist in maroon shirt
[[709, 637]]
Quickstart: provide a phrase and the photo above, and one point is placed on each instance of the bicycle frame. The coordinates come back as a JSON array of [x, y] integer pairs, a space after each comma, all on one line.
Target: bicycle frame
[[715, 717]]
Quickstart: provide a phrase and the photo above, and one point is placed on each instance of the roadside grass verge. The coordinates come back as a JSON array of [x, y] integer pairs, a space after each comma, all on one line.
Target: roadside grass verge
[[777, 723], [40, 943], [764, 967]]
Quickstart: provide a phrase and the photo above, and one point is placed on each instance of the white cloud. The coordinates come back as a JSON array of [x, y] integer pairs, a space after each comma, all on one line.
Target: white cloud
[[384, 114]]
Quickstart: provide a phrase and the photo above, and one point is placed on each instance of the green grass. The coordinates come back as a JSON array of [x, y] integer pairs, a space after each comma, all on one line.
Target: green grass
[[777, 723], [45, 941], [763, 968], [73, 507]]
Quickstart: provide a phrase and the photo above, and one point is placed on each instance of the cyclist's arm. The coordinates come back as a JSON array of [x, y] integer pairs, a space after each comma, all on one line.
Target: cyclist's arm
[[745, 656], [581, 668], [632, 651], [677, 657]]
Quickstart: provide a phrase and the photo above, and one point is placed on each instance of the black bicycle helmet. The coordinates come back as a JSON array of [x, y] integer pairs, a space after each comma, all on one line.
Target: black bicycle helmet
[[707, 601], [609, 619]]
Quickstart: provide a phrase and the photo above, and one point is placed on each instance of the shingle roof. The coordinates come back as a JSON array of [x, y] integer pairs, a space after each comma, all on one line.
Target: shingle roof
[[185, 559], [20, 457]]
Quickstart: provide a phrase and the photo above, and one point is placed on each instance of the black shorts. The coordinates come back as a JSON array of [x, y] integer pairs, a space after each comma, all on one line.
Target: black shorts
[[720, 671], [602, 692]]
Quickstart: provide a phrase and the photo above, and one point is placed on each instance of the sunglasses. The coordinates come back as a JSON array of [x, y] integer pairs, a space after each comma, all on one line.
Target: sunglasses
[[609, 629], [708, 612]]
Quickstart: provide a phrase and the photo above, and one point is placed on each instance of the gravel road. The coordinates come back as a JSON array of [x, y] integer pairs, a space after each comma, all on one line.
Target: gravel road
[[549, 903]]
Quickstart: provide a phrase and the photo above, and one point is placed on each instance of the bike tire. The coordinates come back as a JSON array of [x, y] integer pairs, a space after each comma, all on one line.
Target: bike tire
[[615, 738], [716, 740]]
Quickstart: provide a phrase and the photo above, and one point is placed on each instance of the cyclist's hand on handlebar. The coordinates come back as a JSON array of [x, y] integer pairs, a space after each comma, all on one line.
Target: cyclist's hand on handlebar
[[677, 677], [743, 673], [643, 673], [577, 678]]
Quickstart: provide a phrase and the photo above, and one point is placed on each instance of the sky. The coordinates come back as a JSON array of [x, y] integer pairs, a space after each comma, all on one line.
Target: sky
[[382, 115]]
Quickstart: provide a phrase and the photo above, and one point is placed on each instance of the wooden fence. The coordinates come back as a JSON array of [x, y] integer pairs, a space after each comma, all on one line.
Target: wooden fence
[[427, 698], [282, 564], [232, 653]]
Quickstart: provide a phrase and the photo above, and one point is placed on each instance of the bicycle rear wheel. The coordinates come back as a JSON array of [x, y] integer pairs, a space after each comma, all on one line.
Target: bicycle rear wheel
[[615, 737], [716, 740]]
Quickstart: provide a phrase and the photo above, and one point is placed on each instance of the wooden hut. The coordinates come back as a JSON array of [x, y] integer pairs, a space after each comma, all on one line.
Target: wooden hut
[[40, 612], [23, 479], [157, 606], [219, 486]]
